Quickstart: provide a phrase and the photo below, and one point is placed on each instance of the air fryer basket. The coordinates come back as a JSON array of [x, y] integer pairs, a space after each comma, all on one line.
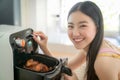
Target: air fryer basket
[[25, 74], [22, 54]]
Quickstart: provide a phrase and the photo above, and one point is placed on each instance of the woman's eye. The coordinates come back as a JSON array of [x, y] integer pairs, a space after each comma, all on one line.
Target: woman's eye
[[82, 25], [70, 27]]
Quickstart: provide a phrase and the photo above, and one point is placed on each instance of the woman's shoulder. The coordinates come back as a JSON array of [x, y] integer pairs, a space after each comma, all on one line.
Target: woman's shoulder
[[109, 49], [106, 67], [108, 55], [107, 61]]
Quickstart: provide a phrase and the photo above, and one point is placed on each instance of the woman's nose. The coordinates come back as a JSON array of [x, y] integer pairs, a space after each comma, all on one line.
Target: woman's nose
[[76, 32]]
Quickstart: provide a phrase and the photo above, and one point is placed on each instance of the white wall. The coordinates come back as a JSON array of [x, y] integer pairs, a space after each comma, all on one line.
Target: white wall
[[34, 14], [41, 15], [28, 13]]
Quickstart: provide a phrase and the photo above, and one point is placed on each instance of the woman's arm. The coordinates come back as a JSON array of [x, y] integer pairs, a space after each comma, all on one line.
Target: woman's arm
[[107, 68], [77, 61]]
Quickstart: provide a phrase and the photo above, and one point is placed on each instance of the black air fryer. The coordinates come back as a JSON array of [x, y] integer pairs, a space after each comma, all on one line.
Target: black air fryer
[[25, 48]]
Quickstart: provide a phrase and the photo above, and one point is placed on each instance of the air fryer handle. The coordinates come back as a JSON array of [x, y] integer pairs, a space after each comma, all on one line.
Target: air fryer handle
[[66, 70]]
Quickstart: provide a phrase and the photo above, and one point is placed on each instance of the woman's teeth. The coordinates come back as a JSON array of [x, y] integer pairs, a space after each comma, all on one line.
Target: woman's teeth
[[78, 40]]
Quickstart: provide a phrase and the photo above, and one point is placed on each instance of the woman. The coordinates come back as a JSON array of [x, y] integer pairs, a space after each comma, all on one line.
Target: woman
[[85, 30]]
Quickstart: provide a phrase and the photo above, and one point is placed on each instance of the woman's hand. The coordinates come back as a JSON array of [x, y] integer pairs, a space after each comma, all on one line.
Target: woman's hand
[[41, 39], [73, 77]]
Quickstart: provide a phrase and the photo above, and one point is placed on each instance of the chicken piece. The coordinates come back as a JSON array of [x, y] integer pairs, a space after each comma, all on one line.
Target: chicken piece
[[31, 62], [44, 68], [36, 66]]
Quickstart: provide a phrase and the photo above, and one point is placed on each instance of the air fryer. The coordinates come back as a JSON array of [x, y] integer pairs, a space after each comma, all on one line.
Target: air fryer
[[25, 48]]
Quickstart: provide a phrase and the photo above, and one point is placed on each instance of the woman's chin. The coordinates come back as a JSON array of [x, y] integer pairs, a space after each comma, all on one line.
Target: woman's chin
[[78, 47]]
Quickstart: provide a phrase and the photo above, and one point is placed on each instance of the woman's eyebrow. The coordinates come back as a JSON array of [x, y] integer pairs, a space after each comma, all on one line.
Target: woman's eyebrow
[[70, 23], [82, 22], [78, 22]]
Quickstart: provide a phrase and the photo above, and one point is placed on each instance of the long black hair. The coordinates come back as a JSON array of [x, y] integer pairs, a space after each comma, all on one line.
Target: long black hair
[[92, 10]]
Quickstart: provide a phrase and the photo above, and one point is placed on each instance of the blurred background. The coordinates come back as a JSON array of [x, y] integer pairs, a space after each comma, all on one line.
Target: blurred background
[[50, 16]]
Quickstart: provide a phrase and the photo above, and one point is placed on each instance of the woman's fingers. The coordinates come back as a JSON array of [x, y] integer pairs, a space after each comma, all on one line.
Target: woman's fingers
[[40, 38], [36, 39], [40, 34]]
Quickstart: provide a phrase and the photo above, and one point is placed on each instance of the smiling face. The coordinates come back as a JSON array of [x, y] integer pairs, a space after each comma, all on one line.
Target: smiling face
[[81, 29]]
